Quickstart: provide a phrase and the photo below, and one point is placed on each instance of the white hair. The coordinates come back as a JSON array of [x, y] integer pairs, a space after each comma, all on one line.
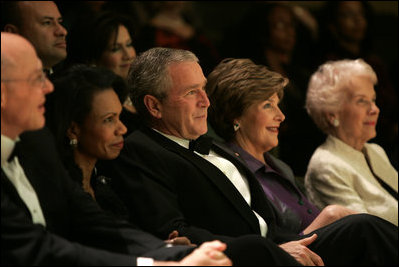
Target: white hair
[[326, 89]]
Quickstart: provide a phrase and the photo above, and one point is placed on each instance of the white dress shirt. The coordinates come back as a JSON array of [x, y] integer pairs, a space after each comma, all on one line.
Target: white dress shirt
[[228, 168], [16, 175]]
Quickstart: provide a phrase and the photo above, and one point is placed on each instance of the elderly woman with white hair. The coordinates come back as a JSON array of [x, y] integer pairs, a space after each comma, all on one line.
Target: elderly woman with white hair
[[346, 169]]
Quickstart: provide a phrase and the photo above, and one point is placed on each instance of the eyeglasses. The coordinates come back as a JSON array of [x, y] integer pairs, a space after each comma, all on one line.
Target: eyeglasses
[[38, 81]]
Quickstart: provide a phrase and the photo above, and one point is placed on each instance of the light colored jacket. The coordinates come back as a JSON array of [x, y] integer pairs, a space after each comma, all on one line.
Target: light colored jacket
[[339, 174]]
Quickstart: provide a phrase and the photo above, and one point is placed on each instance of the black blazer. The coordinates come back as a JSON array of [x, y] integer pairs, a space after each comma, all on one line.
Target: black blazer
[[173, 188], [74, 221]]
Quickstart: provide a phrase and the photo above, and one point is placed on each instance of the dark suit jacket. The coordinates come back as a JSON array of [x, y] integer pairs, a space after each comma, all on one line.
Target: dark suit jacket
[[173, 188], [74, 221], [167, 187]]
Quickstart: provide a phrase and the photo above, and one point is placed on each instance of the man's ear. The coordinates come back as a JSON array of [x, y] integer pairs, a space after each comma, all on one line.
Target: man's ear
[[11, 28], [153, 105], [73, 131]]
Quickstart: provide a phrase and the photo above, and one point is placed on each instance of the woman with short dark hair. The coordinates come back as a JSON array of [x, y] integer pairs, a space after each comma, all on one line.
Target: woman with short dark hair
[[244, 111], [85, 121]]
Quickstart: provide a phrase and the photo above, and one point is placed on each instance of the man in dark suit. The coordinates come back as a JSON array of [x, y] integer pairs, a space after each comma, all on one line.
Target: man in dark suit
[[172, 183], [47, 219]]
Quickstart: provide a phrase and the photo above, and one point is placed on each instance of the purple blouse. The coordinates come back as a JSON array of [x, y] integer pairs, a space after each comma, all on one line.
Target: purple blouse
[[278, 184]]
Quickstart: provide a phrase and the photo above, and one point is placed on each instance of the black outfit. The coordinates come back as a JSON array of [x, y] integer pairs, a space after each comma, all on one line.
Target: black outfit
[[77, 232], [104, 194], [184, 192]]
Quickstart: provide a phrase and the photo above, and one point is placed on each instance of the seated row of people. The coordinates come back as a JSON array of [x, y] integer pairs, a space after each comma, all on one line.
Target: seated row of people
[[136, 174], [346, 170], [162, 180], [115, 50], [250, 125], [46, 218]]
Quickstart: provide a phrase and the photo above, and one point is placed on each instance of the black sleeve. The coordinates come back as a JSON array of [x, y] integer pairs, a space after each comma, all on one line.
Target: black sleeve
[[152, 203], [24, 243], [76, 227]]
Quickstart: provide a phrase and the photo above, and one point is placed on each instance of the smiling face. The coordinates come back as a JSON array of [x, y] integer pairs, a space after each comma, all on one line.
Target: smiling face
[[184, 110], [359, 113], [120, 53], [259, 126], [100, 137]]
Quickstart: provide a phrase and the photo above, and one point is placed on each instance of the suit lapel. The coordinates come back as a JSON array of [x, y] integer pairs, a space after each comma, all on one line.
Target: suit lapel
[[7, 186], [215, 176], [259, 201], [284, 170]]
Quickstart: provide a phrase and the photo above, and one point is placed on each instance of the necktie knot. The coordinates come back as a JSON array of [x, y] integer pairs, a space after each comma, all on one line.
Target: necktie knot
[[202, 144]]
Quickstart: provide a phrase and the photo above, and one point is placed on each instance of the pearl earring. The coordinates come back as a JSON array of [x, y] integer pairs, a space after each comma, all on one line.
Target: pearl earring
[[236, 126], [336, 122], [73, 142]]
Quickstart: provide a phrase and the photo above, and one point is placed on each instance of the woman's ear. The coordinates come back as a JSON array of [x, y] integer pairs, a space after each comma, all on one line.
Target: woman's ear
[[330, 116], [333, 119], [153, 105], [73, 131]]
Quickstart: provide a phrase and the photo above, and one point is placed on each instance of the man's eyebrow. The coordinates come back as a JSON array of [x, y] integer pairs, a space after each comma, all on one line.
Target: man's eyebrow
[[108, 113], [52, 18], [194, 86]]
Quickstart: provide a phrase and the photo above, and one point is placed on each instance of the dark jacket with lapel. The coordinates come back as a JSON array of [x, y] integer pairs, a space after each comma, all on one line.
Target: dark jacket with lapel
[[71, 216], [173, 188]]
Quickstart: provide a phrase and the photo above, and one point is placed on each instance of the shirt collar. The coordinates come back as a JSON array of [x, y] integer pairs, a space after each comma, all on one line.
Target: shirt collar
[[181, 141], [344, 148], [7, 146], [253, 164]]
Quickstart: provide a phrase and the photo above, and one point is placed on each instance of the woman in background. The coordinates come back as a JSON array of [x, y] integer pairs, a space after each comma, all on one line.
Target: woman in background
[[105, 40]]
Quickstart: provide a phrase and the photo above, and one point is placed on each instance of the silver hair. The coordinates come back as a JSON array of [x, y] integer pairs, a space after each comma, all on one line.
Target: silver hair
[[149, 75], [326, 89]]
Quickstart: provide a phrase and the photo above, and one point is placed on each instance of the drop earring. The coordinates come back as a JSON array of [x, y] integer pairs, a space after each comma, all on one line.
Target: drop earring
[[236, 126], [335, 122]]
